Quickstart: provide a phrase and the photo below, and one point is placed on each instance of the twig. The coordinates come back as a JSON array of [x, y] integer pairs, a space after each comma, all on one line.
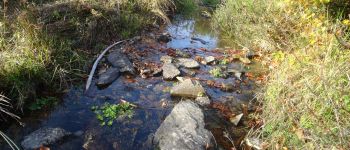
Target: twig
[[88, 83]]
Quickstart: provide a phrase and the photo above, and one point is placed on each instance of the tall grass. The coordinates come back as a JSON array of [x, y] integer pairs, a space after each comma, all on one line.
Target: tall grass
[[45, 45], [248, 22], [306, 102]]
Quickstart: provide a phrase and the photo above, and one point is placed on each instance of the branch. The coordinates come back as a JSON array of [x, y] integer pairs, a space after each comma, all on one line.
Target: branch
[[88, 83]]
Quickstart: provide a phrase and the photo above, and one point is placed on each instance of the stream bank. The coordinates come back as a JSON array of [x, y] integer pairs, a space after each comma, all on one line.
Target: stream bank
[[231, 92]]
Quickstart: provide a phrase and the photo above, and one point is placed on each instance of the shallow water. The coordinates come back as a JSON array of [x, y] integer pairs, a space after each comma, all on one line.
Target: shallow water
[[74, 113]]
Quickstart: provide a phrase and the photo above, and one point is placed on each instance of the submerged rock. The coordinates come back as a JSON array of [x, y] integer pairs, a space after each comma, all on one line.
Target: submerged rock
[[165, 38], [108, 77], [170, 71], [203, 100], [187, 88], [121, 61], [43, 136], [166, 59], [187, 72], [183, 129], [188, 63]]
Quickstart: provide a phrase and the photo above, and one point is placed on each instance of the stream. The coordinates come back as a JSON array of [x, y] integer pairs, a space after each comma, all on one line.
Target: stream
[[74, 112]]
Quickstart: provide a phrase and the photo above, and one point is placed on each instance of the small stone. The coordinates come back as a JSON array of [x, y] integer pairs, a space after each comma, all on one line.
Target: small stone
[[108, 77], [245, 60], [188, 72], [254, 143], [188, 63], [166, 59], [203, 100], [165, 38], [170, 71], [187, 88], [137, 38], [250, 55], [209, 59], [181, 53], [235, 120], [228, 86]]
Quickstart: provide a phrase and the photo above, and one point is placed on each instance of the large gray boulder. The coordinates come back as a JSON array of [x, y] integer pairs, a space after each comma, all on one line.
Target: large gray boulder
[[170, 71], [121, 61], [188, 88], [108, 77], [43, 136], [183, 129]]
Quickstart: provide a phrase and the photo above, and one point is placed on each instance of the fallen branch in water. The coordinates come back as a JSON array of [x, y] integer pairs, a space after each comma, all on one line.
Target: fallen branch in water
[[88, 83], [200, 40]]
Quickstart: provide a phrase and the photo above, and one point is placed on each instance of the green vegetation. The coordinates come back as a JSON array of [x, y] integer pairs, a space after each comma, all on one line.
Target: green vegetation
[[107, 113], [45, 45], [186, 6], [42, 103], [217, 72], [248, 22], [305, 101]]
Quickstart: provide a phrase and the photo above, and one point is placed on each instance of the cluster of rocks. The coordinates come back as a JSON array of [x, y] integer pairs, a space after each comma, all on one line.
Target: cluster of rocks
[[120, 63], [184, 127]]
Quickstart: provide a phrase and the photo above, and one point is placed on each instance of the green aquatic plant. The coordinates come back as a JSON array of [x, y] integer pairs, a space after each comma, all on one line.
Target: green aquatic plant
[[107, 113], [217, 72]]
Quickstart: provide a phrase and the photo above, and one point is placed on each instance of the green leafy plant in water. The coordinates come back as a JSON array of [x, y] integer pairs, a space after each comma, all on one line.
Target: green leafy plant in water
[[107, 113], [43, 103], [224, 61], [217, 72]]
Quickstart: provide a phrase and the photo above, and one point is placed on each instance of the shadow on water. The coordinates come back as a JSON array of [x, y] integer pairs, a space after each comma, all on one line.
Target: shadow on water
[[75, 114]]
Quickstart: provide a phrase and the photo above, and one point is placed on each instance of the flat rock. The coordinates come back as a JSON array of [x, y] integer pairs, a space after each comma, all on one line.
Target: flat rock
[[43, 136], [121, 61], [209, 59], [203, 100], [188, 63], [170, 71], [166, 59], [108, 77], [183, 129], [188, 88]]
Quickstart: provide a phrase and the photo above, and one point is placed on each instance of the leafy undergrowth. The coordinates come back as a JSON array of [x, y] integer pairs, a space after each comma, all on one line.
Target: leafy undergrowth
[[305, 101], [45, 46]]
